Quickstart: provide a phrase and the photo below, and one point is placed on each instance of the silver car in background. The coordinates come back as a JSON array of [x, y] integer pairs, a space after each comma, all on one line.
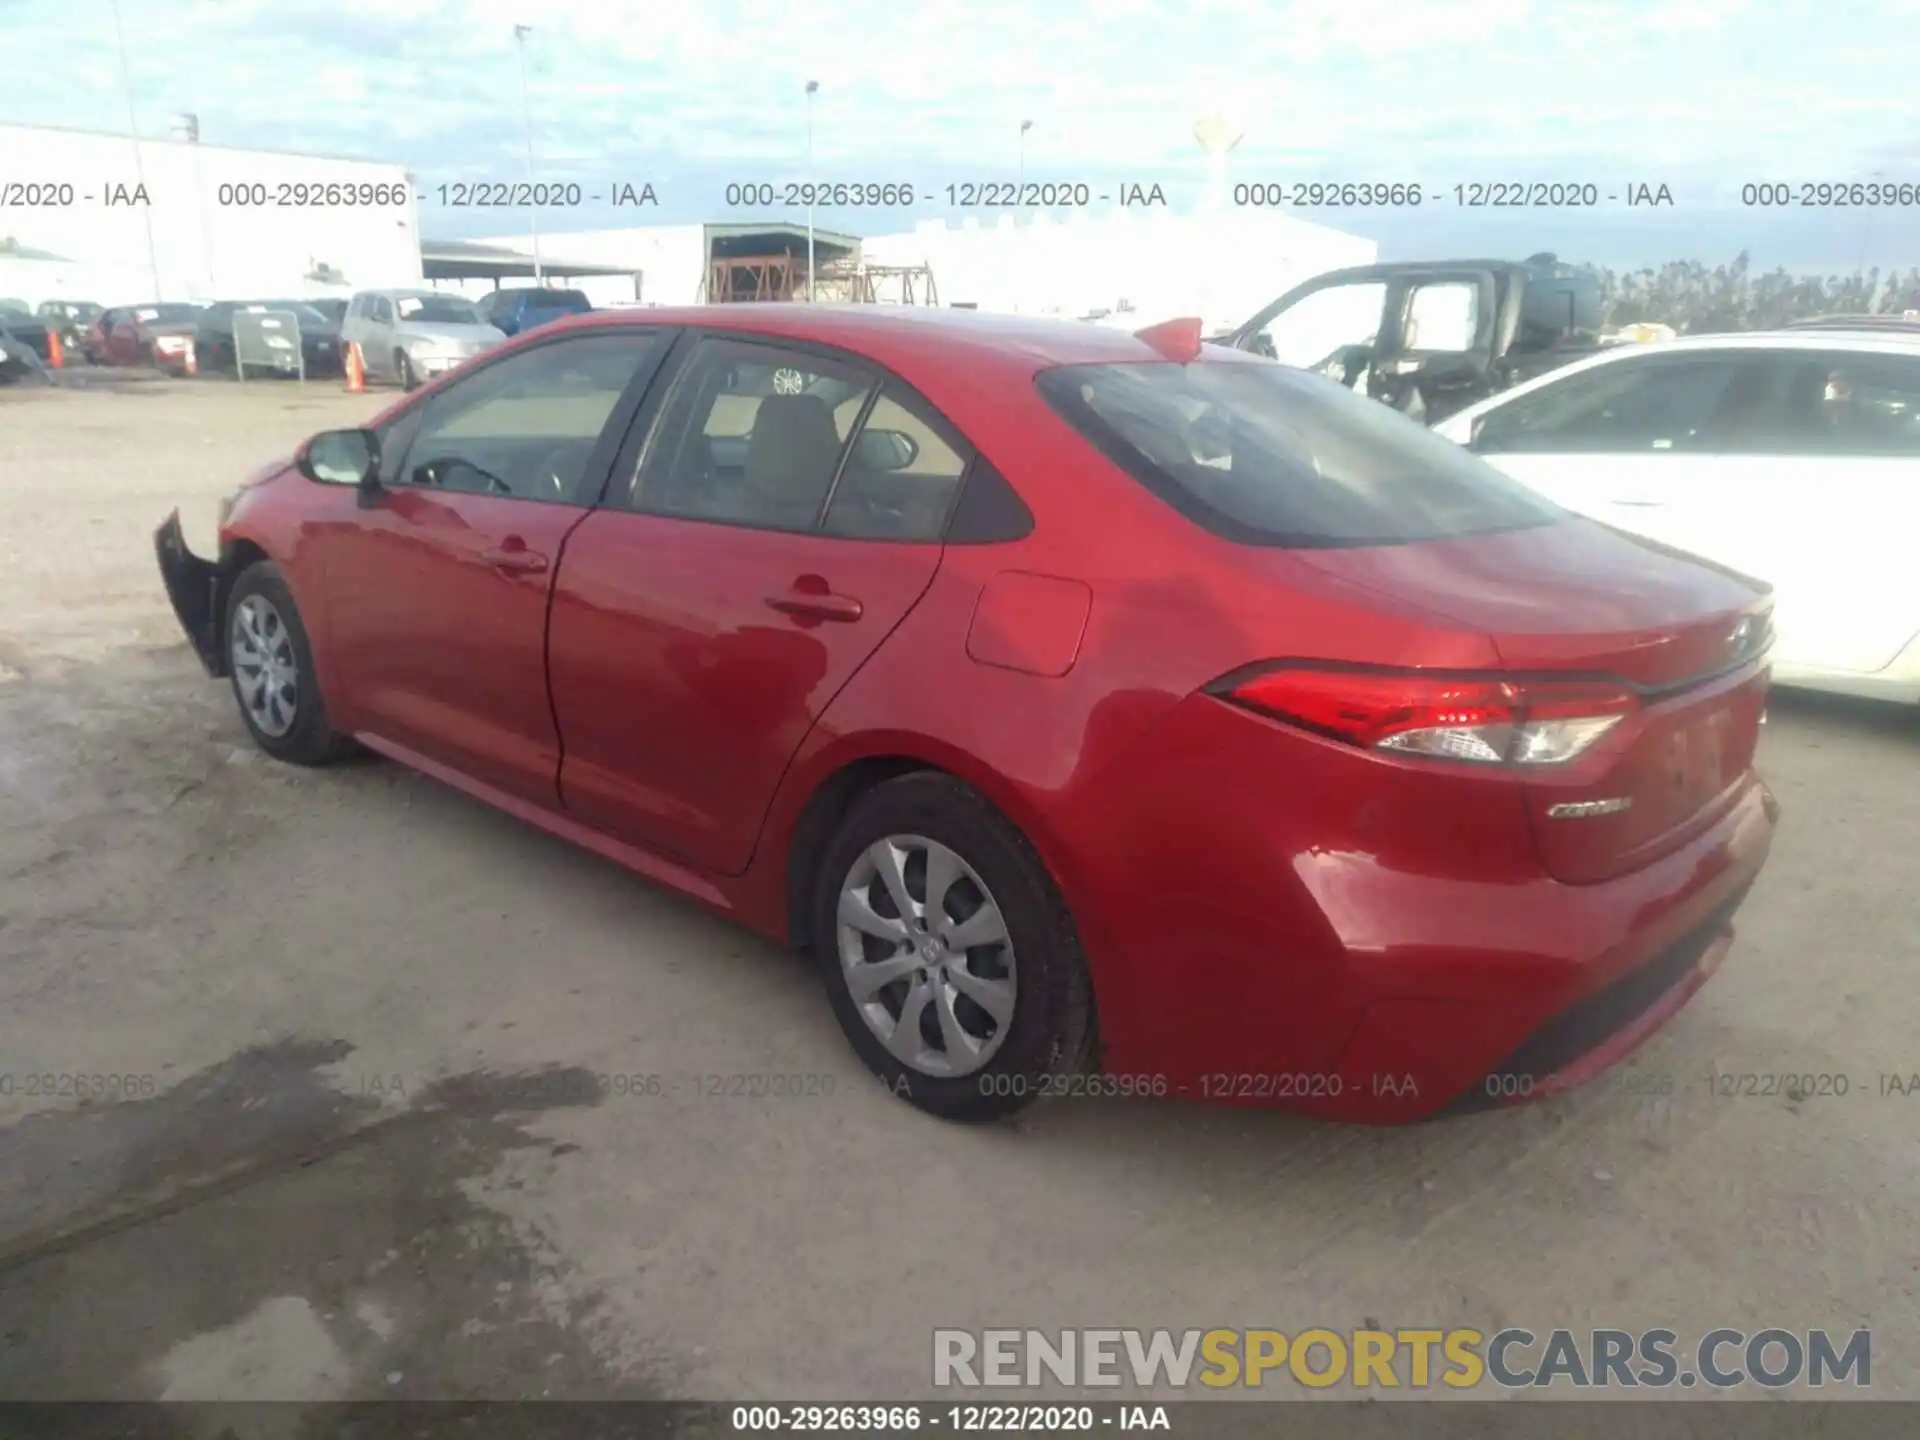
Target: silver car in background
[[412, 336]]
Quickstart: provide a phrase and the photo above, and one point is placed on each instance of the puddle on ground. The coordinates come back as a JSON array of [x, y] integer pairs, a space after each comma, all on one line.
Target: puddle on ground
[[256, 1234]]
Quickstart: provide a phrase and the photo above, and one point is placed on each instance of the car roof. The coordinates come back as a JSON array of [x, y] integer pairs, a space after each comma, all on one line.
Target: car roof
[[903, 337], [1805, 338], [1865, 342]]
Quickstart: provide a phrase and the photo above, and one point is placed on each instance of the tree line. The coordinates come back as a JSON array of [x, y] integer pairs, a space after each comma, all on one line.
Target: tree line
[[1698, 299]]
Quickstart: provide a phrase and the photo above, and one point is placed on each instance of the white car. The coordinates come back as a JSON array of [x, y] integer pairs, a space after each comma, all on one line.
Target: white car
[[1792, 456]]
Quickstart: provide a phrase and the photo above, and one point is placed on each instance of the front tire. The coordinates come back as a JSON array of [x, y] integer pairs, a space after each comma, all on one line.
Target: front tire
[[270, 662], [949, 957], [403, 367]]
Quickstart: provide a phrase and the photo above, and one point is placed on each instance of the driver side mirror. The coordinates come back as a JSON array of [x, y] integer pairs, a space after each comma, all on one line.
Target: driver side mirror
[[342, 457]]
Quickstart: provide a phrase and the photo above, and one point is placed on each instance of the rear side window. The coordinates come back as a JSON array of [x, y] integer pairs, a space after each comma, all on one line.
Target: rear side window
[[1264, 454], [1869, 404]]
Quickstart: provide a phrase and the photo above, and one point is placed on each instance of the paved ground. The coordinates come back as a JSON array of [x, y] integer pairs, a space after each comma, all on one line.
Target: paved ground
[[366, 1028]]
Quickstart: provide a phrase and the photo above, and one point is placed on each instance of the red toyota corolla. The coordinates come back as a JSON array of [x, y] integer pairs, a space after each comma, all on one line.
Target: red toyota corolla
[[1107, 714]]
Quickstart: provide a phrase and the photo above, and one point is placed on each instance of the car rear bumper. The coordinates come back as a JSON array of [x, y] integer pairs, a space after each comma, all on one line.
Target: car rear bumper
[[193, 588], [1308, 927]]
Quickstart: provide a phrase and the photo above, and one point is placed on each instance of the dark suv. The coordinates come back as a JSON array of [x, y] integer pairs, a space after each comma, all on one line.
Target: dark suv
[[1431, 337], [511, 311]]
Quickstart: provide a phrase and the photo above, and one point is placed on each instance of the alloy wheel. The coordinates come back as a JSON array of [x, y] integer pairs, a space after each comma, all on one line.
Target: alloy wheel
[[265, 670], [926, 956]]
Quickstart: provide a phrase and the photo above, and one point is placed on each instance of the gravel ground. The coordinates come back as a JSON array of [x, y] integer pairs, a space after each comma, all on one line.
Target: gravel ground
[[361, 1028]]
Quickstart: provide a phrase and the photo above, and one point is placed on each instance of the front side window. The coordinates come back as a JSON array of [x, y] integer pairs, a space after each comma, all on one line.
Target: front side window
[[1640, 405], [526, 426], [1267, 455], [1320, 328], [382, 310], [753, 435]]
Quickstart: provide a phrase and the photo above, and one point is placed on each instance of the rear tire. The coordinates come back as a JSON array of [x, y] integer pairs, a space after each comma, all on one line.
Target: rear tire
[[954, 1057], [270, 662]]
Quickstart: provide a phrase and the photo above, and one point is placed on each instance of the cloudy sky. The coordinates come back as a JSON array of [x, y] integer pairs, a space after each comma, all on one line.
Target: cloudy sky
[[1699, 95]]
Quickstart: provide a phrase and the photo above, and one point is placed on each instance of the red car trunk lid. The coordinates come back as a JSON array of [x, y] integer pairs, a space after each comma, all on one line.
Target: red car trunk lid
[[1577, 598]]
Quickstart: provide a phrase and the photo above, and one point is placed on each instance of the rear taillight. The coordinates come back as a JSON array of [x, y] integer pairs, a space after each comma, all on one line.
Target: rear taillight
[[1482, 719]]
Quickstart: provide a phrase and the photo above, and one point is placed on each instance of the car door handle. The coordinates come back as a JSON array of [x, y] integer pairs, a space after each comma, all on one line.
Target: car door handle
[[817, 605], [514, 561]]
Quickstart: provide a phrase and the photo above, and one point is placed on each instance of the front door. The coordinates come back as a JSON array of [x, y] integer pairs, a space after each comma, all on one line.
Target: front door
[[1436, 348], [437, 592], [706, 617], [1330, 325]]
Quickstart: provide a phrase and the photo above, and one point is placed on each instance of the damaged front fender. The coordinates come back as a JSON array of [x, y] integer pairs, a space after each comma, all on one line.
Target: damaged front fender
[[193, 585]]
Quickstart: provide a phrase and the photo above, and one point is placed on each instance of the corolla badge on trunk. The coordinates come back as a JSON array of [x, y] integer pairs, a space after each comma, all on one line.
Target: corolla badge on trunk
[[1581, 809], [1740, 637]]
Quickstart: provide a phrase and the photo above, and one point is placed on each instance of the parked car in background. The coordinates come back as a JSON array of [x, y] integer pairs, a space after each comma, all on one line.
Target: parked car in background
[[335, 310], [409, 336], [1430, 337], [25, 346], [1792, 456], [512, 310], [69, 320], [1020, 668], [160, 335], [317, 342]]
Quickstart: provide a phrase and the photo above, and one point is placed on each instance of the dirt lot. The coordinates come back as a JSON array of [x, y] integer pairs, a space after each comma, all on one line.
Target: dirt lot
[[360, 1025]]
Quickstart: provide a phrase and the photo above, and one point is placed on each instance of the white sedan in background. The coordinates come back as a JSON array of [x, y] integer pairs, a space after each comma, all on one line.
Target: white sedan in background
[[1792, 456]]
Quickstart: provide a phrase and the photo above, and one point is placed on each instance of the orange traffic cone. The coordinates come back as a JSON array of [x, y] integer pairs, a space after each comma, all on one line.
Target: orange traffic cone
[[56, 356], [355, 371]]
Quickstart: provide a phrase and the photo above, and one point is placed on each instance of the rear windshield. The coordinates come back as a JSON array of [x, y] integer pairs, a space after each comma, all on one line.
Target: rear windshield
[[571, 301], [1264, 454]]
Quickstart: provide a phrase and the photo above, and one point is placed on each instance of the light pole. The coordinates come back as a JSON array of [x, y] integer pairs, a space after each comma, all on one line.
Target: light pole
[[520, 33], [133, 135], [813, 87], [1019, 188], [1866, 232]]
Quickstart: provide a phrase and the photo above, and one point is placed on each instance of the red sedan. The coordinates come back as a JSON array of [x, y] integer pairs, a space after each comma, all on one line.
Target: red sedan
[[1107, 713], [159, 335]]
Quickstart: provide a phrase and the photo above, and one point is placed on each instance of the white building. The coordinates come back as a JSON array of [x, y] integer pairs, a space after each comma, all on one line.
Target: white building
[[174, 219], [658, 264], [1131, 266], [1137, 266]]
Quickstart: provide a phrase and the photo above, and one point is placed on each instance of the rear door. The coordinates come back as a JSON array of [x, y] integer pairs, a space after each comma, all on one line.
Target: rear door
[[1634, 441], [1834, 494], [437, 594], [784, 517]]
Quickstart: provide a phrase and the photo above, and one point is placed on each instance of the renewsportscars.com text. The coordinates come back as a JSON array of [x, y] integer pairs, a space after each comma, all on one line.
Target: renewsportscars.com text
[[1412, 1359]]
